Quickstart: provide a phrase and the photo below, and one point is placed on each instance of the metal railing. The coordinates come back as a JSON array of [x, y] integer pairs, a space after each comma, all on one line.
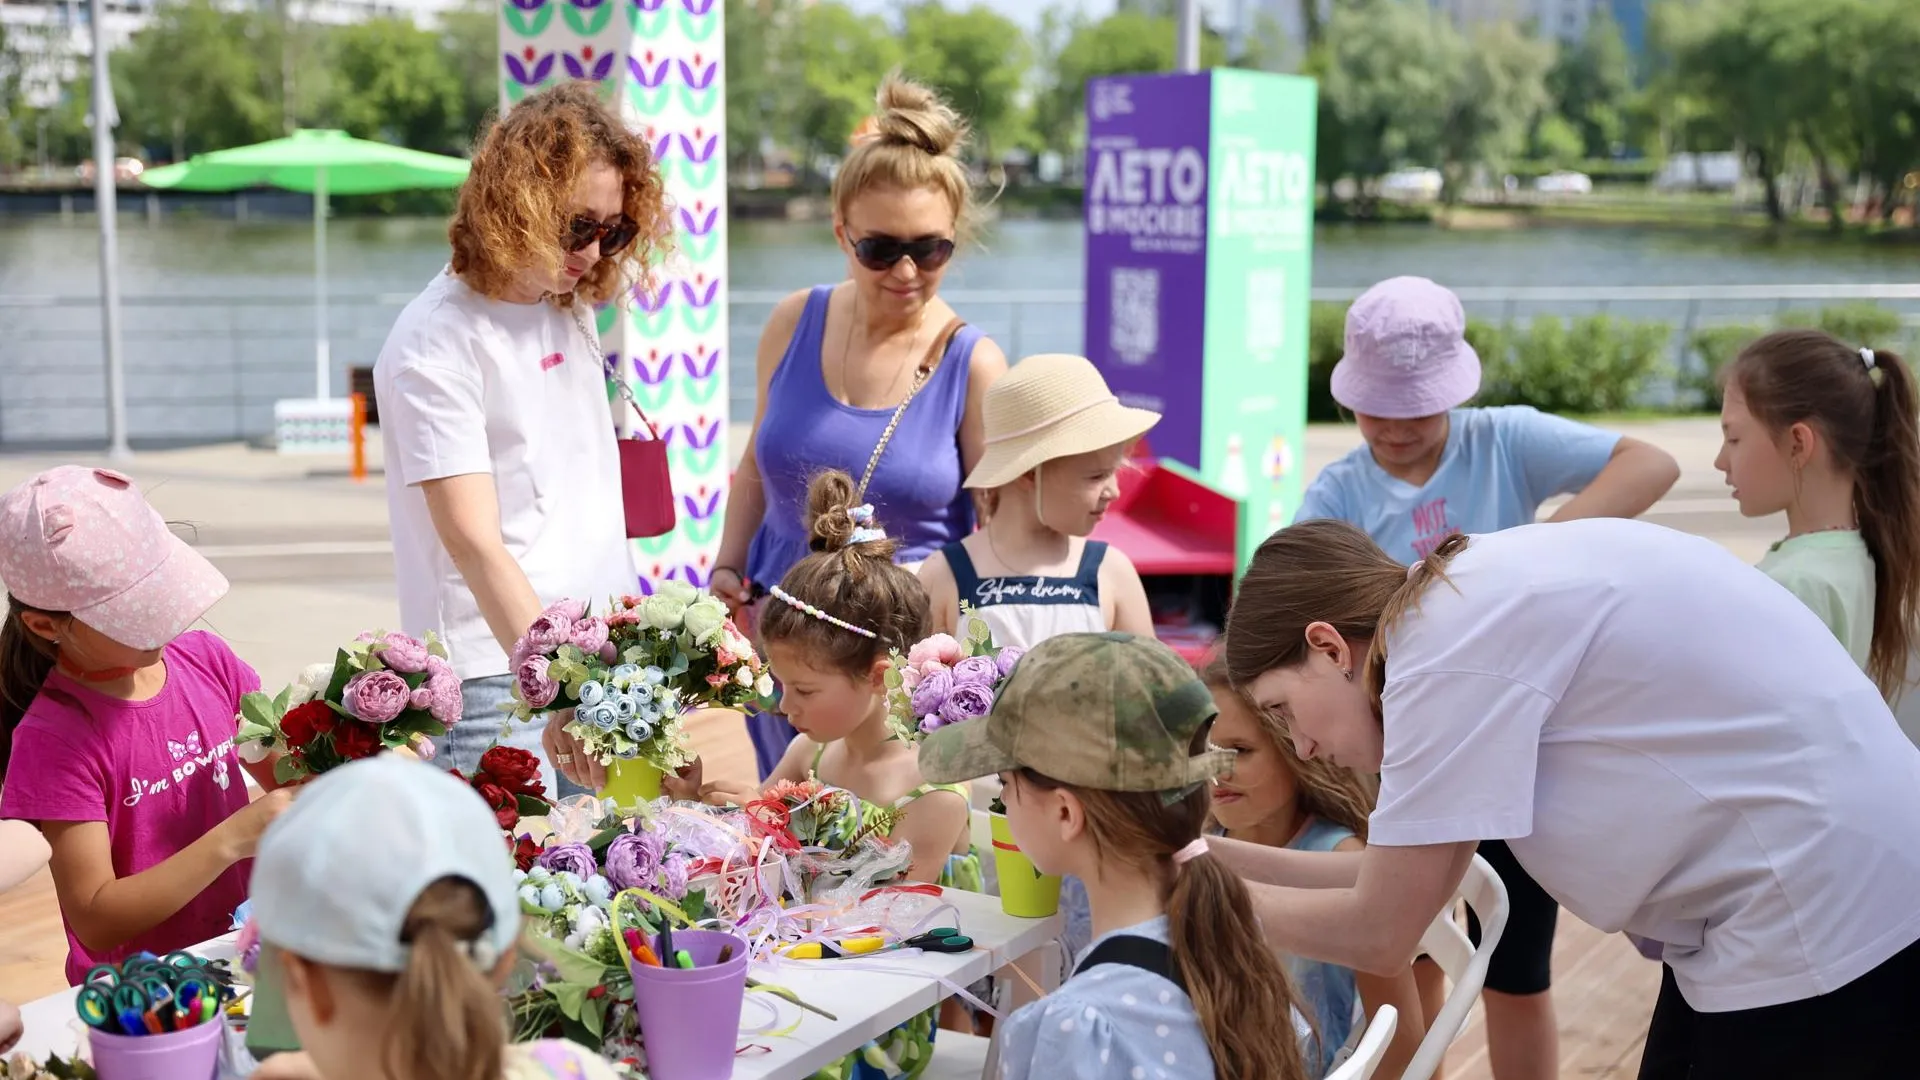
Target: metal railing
[[203, 367]]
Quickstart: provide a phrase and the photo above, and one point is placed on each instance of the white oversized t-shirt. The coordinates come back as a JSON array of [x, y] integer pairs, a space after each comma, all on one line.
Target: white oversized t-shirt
[[471, 385], [1671, 743]]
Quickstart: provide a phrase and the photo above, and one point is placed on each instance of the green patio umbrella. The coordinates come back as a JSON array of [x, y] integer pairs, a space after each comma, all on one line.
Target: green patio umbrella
[[324, 163]]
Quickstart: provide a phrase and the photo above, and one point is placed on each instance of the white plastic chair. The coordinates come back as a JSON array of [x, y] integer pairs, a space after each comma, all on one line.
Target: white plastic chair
[[1373, 1047], [1465, 966]]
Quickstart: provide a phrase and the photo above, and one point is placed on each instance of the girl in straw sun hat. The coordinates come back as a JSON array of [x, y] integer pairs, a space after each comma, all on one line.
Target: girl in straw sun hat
[[1056, 438]]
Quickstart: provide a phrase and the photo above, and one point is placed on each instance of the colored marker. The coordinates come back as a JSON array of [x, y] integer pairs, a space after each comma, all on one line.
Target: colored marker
[[683, 960], [645, 956], [726, 954]]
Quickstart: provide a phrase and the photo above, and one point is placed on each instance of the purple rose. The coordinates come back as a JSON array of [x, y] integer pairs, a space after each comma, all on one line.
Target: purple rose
[[1008, 657], [966, 703], [446, 705], [546, 635], [931, 723], [402, 654], [935, 685], [673, 878], [975, 671], [376, 696], [633, 859], [536, 689], [589, 635], [575, 858], [421, 698]]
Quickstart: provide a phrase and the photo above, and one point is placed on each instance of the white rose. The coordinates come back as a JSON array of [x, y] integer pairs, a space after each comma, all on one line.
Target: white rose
[[765, 686], [676, 590], [744, 676], [252, 753], [311, 684]]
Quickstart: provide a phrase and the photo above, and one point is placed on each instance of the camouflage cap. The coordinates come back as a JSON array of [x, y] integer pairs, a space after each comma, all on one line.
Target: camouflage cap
[[1110, 712]]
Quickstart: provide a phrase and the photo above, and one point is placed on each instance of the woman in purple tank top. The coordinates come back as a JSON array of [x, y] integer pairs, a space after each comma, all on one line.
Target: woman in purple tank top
[[836, 362]]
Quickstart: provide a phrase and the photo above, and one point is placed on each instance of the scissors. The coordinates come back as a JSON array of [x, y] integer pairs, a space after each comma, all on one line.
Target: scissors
[[945, 939], [126, 1008]]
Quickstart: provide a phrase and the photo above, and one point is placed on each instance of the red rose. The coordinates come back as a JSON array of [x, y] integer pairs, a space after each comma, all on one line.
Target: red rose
[[505, 810], [513, 769], [356, 739], [303, 722], [525, 851]]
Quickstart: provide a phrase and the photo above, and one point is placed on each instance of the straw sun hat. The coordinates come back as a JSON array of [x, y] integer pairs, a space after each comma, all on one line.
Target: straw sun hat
[[1049, 407]]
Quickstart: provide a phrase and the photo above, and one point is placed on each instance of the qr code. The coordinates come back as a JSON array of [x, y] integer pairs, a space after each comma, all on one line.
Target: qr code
[[1266, 310], [1134, 319]]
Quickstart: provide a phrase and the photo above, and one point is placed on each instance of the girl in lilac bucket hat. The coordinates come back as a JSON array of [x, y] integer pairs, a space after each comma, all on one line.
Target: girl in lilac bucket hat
[[1431, 466]]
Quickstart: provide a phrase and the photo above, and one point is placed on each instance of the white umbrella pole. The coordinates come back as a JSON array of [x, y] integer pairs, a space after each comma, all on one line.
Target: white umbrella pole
[[321, 360], [106, 204]]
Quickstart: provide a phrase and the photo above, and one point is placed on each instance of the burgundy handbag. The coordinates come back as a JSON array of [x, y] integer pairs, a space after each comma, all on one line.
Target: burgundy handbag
[[646, 482]]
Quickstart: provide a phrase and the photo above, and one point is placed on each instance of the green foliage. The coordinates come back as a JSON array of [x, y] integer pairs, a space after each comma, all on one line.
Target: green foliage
[[1592, 364], [979, 59], [1498, 88], [1127, 42], [1387, 72], [1714, 347], [393, 81], [1326, 342], [1591, 85], [1856, 324], [840, 57], [196, 78]]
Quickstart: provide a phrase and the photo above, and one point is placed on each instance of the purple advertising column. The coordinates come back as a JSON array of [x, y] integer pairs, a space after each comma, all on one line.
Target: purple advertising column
[[1147, 140]]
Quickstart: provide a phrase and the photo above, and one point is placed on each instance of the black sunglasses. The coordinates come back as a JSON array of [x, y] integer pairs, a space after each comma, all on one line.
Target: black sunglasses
[[614, 236], [879, 253]]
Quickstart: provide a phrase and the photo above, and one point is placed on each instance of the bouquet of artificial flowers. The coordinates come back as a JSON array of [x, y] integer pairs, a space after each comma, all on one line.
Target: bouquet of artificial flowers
[[827, 835], [630, 675], [944, 680], [22, 1067], [382, 692]]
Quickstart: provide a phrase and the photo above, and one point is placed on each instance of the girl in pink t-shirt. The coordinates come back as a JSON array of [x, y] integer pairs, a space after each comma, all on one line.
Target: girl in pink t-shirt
[[117, 726]]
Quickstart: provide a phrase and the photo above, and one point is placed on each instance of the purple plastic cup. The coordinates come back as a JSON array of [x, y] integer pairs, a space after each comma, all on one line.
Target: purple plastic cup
[[193, 1054], [690, 1018]]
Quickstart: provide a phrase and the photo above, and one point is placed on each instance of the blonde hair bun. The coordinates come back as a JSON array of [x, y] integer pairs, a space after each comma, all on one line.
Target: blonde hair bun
[[907, 113], [830, 523]]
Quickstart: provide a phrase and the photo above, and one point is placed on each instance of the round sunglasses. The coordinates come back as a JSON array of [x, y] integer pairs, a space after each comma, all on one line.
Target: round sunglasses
[[614, 236], [879, 253]]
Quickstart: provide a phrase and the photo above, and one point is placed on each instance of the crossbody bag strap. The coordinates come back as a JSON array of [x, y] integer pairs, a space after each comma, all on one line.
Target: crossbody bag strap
[[619, 382], [1133, 950], [920, 378]]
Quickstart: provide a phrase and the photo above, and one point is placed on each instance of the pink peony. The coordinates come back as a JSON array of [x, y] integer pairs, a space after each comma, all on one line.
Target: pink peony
[[941, 648], [589, 636], [570, 610], [546, 635], [975, 671], [910, 676], [448, 704], [536, 689], [609, 653], [421, 699], [402, 654], [376, 696], [437, 667]]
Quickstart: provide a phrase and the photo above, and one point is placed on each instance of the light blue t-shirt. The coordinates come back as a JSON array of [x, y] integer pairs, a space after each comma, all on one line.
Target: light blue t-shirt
[[1500, 464]]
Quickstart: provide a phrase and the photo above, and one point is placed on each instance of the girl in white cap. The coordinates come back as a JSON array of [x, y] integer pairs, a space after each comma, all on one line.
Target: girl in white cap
[[388, 923], [1430, 469], [117, 724], [1056, 439]]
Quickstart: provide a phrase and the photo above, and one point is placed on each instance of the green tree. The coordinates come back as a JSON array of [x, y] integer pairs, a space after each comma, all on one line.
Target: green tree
[[193, 80], [395, 82], [1388, 73], [840, 57], [1126, 42], [471, 36], [1726, 55], [1499, 89], [1884, 90], [979, 59], [13, 104], [1592, 85], [759, 75]]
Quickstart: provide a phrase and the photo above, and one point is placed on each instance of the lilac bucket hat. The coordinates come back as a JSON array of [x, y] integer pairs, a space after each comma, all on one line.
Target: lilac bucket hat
[[1407, 353]]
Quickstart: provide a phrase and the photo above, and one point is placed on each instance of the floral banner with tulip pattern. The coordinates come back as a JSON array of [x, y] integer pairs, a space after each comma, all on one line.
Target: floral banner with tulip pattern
[[660, 63]]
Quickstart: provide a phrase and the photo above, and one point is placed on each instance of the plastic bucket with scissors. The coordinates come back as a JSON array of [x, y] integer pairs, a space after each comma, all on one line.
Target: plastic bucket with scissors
[[193, 1054], [690, 1017]]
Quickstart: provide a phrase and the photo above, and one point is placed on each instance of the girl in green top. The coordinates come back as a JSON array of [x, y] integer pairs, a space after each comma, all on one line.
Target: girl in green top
[[1828, 433]]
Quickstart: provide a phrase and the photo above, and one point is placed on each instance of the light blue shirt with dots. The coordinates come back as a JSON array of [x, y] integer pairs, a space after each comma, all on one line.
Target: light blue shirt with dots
[[1112, 1022]]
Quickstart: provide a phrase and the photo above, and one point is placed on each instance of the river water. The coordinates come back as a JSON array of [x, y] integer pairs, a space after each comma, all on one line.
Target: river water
[[218, 323]]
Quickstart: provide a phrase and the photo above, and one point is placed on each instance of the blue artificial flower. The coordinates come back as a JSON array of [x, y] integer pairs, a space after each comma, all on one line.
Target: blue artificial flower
[[629, 706], [570, 879], [604, 717], [639, 730], [539, 875], [530, 896], [653, 676], [552, 899], [592, 693], [599, 890], [625, 675]]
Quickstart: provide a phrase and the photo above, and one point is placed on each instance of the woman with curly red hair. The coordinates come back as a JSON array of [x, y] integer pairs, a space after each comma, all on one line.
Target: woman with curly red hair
[[503, 479]]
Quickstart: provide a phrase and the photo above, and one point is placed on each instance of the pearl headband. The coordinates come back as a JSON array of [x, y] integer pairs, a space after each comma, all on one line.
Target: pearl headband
[[805, 608]]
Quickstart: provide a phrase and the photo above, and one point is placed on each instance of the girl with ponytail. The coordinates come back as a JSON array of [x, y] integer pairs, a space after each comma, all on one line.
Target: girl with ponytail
[[1100, 743], [1827, 433], [388, 923]]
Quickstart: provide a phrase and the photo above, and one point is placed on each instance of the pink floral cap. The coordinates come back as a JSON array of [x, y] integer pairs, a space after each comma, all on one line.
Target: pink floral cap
[[1407, 352], [85, 541]]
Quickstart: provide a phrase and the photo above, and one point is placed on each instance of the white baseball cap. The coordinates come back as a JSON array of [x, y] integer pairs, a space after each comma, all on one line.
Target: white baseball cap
[[337, 873]]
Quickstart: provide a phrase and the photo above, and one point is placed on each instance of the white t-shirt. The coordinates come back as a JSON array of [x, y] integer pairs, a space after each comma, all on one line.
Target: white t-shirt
[[1673, 745], [471, 385]]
